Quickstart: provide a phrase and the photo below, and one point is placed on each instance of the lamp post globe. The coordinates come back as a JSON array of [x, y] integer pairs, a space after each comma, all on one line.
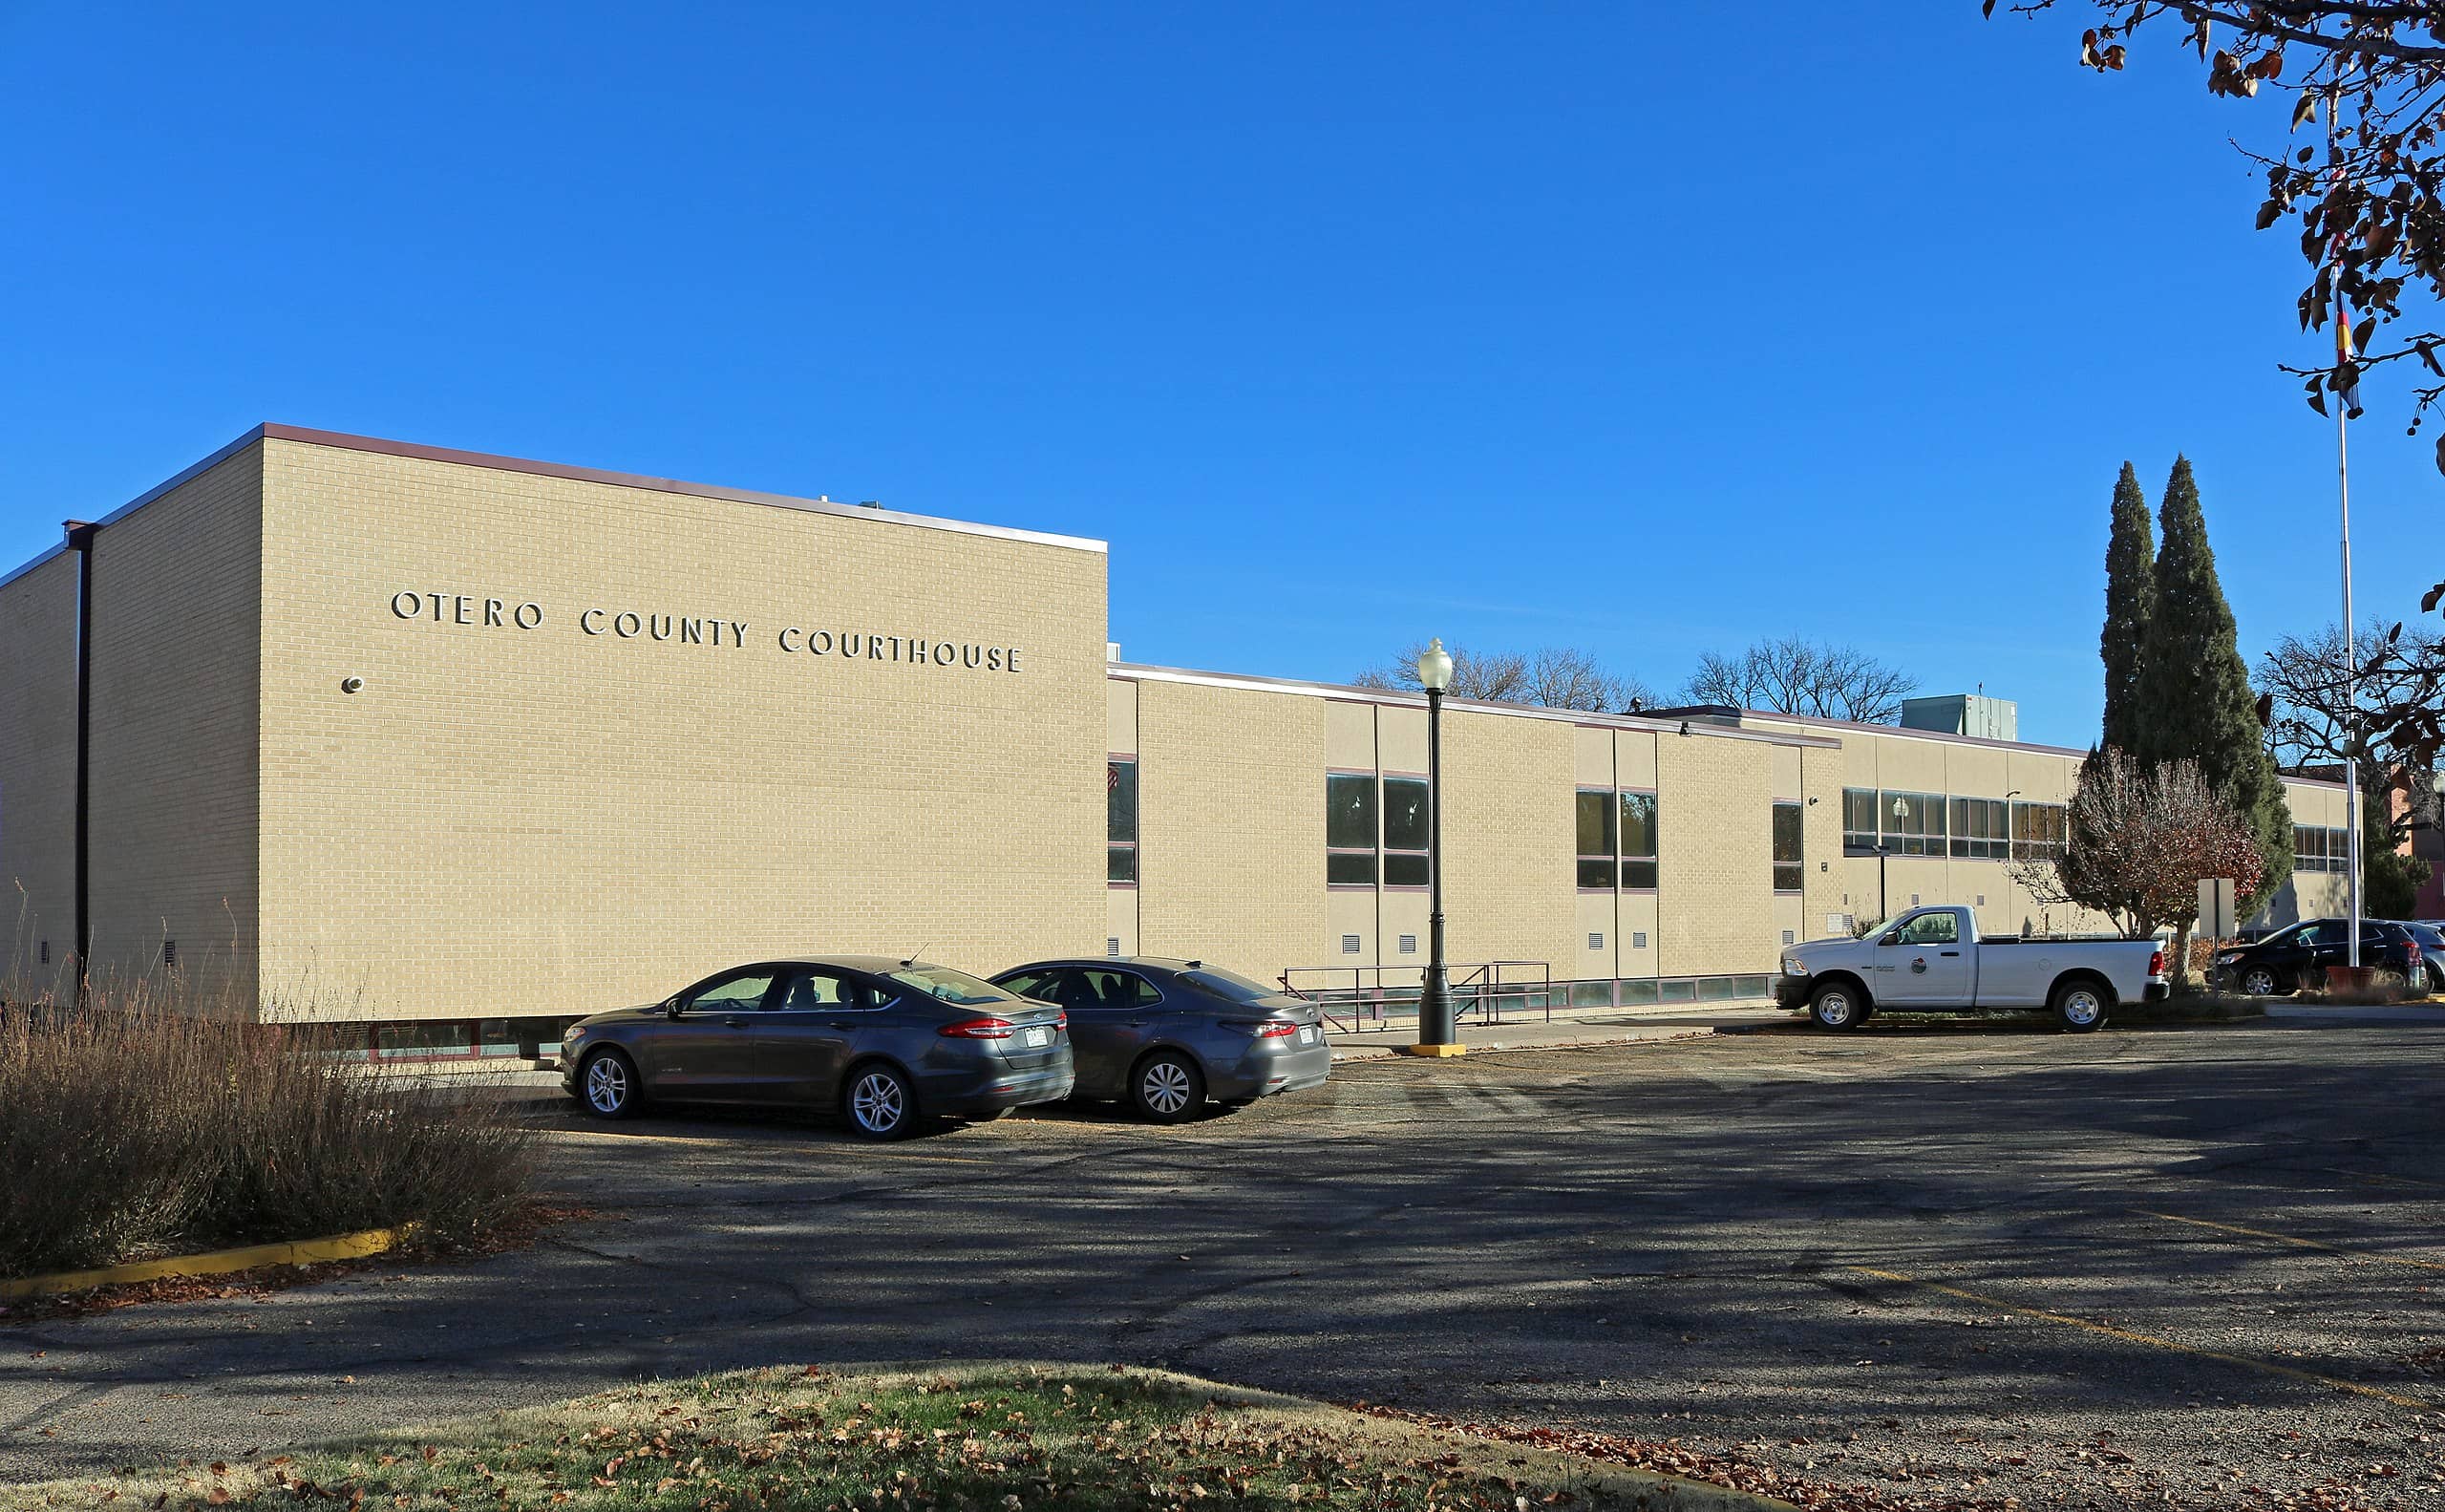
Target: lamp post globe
[[1435, 1032]]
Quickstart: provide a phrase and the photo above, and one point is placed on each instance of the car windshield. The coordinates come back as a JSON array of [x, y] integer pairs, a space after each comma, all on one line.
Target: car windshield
[[942, 983], [1230, 984]]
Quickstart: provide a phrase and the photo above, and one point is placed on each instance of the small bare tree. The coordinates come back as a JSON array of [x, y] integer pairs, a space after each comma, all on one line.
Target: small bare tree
[[1795, 675], [2142, 839], [1555, 677]]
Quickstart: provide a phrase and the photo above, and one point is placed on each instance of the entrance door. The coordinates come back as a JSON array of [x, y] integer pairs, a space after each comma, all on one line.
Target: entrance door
[[1926, 963]]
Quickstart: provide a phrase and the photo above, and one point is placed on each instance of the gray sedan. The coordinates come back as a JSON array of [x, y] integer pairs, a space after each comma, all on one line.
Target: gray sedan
[[1166, 1035], [886, 1043]]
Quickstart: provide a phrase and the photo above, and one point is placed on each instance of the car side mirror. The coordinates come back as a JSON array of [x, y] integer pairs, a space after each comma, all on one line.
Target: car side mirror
[[671, 1007], [1895, 938]]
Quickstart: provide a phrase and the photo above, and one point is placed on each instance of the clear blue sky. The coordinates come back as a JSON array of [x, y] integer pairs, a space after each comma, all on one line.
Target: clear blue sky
[[1643, 329]]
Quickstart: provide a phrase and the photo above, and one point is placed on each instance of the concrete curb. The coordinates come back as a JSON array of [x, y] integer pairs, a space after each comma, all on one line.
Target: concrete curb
[[211, 1263]]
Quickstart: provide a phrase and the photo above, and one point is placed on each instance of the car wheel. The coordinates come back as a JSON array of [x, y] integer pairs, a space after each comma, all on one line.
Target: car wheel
[[2259, 982], [1167, 1087], [607, 1085], [880, 1103], [2079, 1005], [1836, 1006]]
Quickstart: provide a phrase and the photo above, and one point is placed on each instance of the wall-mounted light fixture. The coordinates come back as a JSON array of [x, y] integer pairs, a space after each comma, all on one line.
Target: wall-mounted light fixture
[[352, 685]]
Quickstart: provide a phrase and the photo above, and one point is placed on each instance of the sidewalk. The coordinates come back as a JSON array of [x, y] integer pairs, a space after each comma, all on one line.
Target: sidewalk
[[1592, 1026]]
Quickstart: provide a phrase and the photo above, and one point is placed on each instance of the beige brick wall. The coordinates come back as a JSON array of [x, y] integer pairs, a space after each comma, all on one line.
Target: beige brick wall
[[173, 808], [1509, 838], [516, 820], [1714, 846], [38, 771], [1231, 825]]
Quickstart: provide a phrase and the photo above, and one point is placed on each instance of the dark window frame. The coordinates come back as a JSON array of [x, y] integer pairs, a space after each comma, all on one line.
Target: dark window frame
[[1640, 863], [1795, 865], [1607, 857], [1349, 856], [1420, 853], [1117, 848]]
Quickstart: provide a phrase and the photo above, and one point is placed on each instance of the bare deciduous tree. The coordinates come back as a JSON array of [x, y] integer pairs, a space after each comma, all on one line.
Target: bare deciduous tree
[[2141, 841], [1555, 678], [2308, 721], [1797, 677]]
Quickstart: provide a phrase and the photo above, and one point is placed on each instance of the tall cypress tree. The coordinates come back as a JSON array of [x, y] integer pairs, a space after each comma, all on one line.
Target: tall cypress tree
[[2130, 602], [2195, 698]]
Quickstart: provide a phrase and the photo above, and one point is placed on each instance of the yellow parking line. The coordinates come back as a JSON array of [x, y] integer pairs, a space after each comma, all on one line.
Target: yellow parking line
[[738, 1144], [2246, 1362], [2371, 1175], [2289, 1239], [631, 1138]]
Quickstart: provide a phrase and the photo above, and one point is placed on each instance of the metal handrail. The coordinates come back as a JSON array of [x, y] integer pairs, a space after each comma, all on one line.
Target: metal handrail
[[1377, 995]]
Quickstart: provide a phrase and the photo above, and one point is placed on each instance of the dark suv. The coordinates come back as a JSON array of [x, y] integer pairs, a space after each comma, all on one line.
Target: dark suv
[[2298, 956]]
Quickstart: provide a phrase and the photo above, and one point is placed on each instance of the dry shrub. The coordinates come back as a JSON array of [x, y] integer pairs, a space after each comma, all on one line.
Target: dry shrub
[[140, 1123]]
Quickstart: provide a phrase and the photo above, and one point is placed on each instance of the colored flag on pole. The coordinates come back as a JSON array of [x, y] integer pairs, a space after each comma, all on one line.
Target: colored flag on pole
[[2345, 361]]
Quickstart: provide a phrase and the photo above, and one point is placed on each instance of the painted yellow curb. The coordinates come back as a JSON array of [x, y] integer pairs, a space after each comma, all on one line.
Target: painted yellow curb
[[214, 1263], [1438, 1052]]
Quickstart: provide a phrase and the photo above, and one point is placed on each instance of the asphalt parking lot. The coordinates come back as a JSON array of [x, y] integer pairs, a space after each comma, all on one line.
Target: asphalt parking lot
[[2197, 1267]]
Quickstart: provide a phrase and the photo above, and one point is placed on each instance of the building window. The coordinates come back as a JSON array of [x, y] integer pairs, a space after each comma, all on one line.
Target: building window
[[2038, 831], [46, 953], [1405, 831], [1616, 840], [169, 952], [1120, 820], [1911, 823], [1982, 828], [1596, 838], [1789, 869], [1858, 819], [1349, 945], [2317, 848], [1638, 842], [1408, 945], [1350, 829]]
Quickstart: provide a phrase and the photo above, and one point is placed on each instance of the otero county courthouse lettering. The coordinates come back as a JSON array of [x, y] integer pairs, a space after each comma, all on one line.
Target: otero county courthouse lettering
[[350, 729]]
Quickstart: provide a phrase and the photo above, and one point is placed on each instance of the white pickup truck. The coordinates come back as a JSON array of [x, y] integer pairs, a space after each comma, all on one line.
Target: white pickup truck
[[1934, 961]]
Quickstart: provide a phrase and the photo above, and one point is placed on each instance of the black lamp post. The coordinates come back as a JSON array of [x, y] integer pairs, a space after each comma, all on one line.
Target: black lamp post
[[1436, 1034], [1901, 815]]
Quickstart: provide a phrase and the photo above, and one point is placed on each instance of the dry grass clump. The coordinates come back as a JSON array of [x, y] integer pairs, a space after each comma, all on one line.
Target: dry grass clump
[[144, 1124], [1063, 1438]]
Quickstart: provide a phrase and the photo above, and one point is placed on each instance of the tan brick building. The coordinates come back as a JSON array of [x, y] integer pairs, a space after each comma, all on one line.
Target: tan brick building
[[383, 732]]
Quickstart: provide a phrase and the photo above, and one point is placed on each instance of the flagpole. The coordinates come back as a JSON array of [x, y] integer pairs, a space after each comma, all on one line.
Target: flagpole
[[2351, 636]]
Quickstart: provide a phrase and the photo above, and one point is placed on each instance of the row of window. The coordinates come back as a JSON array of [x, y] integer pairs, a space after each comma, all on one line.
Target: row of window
[[2318, 848], [1616, 839], [1375, 829], [1932, 825]]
